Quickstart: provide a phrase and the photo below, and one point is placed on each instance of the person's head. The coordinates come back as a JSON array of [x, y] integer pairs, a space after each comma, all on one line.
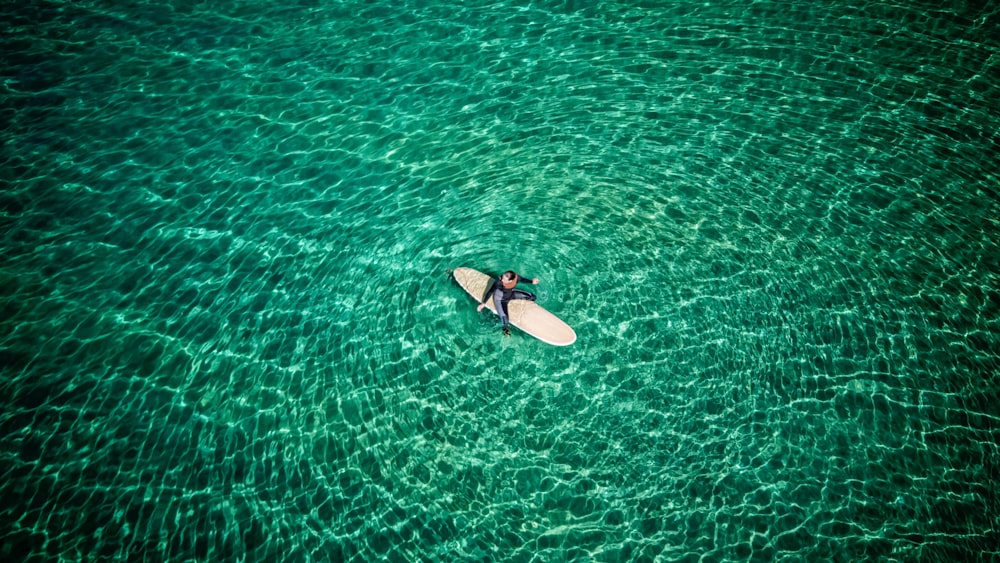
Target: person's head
[[509, 279]]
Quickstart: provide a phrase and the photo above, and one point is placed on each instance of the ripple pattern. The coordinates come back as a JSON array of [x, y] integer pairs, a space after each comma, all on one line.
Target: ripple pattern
[[228, 333]]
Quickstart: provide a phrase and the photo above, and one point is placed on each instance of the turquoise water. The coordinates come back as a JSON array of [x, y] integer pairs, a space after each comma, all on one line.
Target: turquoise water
[[228, 332]]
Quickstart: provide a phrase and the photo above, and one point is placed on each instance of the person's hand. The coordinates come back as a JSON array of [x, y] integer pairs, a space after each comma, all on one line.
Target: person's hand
[[535, 281], [480, 307]]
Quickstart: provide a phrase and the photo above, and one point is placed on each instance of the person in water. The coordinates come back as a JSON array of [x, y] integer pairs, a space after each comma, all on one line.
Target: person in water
[[502, 291]]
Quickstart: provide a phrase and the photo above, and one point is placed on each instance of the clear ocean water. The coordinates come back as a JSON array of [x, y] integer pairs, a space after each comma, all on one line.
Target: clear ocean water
[[228, 332]]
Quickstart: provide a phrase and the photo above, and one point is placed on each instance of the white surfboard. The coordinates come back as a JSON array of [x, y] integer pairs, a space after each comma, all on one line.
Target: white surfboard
[[525, 315]]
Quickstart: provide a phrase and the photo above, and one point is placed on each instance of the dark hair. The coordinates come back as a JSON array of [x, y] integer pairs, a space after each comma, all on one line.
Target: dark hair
[[509, 275]]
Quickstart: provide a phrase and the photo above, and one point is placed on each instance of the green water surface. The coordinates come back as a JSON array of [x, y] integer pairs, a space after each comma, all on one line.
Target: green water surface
[[228, 332]]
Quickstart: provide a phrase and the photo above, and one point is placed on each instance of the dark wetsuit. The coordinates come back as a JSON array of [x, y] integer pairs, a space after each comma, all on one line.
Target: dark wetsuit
[[501, 296]]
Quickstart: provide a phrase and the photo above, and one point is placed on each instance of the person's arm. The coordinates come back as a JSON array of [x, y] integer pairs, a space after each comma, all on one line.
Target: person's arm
[[489, 292], [527, 279]]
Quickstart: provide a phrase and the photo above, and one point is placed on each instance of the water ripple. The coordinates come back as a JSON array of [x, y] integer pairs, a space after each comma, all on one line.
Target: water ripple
[[228, 331]]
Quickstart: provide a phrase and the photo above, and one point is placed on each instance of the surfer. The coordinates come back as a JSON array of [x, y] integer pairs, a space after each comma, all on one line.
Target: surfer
[[502, 291]]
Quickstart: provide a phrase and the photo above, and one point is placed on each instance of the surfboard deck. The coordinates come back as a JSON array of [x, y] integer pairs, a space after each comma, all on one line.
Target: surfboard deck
[[526, 315]]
